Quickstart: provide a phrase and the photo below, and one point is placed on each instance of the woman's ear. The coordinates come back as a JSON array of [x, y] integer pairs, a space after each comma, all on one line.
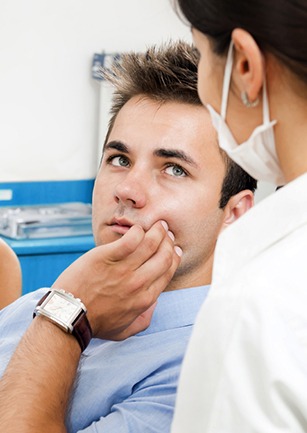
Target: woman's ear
[[237, 206], [248, 64]]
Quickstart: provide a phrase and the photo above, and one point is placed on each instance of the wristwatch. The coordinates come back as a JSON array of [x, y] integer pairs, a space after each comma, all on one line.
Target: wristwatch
[[67, 312]]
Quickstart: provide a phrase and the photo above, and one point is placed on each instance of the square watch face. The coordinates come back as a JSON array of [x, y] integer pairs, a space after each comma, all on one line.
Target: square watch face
[[61, 308]]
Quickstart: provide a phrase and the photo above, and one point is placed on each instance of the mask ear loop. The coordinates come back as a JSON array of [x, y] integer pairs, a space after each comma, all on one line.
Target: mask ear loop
[[265, 105], [226, 83]]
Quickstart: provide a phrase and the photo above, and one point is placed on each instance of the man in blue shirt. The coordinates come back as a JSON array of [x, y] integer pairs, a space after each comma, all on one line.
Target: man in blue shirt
[[163, 193]]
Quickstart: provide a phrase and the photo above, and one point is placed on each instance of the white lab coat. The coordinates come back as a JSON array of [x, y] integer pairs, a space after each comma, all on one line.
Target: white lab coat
[[245, 370]]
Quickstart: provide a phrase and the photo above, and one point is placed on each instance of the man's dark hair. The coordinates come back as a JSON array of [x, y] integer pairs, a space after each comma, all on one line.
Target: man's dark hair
[[168, 74]]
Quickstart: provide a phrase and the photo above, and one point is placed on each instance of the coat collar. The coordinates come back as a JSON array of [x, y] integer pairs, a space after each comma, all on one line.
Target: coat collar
[[271, 220]]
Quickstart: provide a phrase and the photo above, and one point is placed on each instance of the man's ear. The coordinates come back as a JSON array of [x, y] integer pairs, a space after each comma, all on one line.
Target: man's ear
[[237, 206], [248, 64]]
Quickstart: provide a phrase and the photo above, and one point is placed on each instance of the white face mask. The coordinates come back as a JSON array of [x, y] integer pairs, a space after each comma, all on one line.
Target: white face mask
[[257, 156]]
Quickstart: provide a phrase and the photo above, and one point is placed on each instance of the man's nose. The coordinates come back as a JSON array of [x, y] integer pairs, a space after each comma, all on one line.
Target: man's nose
[[132, 191]]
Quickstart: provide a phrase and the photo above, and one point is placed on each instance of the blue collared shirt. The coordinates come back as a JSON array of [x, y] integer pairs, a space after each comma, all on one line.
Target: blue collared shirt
[[126, 386]]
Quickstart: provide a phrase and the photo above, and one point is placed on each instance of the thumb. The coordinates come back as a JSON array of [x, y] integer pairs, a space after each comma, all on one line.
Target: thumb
[[126, 245]]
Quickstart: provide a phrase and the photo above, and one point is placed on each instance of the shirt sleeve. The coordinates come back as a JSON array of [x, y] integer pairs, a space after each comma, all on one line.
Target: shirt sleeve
[[149, 409]]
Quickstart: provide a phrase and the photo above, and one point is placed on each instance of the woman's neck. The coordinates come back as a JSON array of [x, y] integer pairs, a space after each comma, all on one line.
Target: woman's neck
[[289, 108]]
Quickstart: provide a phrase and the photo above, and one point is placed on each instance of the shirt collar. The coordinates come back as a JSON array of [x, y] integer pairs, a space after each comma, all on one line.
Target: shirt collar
[[262, 226], [176, 309]]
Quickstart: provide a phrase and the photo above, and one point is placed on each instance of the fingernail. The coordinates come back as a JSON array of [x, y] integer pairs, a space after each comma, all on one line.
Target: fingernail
[[165, 225], [171, 235], [178, 251]]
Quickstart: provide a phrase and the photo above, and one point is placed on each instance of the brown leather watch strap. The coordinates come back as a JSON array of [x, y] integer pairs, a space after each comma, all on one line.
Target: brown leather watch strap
[[42, 300], [82, 330]]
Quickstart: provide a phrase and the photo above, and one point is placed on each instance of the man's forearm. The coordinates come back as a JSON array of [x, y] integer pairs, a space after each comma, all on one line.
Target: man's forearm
[[35, 390], [119, 284]]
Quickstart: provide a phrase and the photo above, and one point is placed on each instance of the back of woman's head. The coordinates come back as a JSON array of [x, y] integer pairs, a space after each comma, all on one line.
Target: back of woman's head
[[278, 26]]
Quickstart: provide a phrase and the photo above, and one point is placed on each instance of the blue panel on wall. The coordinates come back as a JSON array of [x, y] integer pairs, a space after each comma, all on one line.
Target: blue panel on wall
[[28, 193]]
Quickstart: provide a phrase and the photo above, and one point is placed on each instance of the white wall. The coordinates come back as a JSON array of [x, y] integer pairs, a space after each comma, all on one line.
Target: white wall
[[49, 104], [48, 100]]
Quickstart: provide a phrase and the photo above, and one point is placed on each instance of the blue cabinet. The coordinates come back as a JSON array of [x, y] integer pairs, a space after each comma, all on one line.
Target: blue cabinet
[[42, 260]]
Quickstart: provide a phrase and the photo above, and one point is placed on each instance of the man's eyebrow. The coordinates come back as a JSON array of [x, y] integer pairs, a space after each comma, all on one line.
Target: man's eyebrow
[[117, 145], [161, 153], [175, 153]]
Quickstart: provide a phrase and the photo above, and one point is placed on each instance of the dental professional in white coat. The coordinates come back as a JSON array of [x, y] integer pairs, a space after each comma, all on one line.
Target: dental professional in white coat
[[245, 369]]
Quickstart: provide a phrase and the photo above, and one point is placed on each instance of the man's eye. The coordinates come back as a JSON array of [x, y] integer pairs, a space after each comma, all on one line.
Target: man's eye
[[175, 170], [119, 161]]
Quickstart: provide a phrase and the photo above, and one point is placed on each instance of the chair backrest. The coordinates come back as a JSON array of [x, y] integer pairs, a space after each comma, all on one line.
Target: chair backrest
[[10, 275]]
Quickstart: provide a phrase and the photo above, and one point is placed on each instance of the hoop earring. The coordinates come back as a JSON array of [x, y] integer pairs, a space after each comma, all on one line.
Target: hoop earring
[[247, 102]]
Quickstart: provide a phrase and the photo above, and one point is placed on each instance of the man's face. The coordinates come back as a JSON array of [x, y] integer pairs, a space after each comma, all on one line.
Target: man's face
[[162, 162]]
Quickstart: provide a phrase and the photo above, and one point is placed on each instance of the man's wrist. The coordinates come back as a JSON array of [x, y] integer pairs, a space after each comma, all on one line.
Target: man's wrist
[[66, 312]]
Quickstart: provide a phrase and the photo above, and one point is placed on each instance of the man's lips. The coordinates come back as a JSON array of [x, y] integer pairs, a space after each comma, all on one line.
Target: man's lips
[[120, 226]]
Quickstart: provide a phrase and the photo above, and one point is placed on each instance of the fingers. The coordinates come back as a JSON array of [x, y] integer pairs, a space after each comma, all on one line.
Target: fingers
[[126, 245], [158, 240], [162, 280], [128, 291], [120, 281], [152, 278], [156, 272], [138, 245]]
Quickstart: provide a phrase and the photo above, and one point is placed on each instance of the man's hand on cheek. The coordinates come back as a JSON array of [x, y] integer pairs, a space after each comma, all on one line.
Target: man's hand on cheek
[[119, 281]]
